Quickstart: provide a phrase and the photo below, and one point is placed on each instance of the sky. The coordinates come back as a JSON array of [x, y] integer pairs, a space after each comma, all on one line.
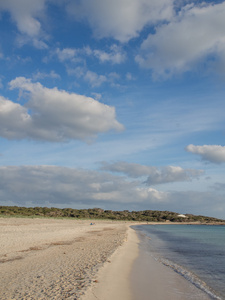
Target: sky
[[113, 104]]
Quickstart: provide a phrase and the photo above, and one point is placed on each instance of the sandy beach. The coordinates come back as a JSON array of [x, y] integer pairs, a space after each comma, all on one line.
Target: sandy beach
[[54, 259], [71, 259]]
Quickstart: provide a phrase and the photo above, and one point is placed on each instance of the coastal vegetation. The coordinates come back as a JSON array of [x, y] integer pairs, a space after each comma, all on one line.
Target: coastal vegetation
[[98, 213]]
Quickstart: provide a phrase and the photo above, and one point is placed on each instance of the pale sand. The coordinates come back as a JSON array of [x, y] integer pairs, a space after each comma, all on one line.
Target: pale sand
[[114, 278], [53, 259], [135, 275]]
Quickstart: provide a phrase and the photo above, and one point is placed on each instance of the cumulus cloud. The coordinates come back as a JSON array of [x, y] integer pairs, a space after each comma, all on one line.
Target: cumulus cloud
[[66, 54], [212, 153], [94, 79], [115, 55], [38, 184], [120, 19], [194, 34], [155, 175], [26, 15], [53, 115]]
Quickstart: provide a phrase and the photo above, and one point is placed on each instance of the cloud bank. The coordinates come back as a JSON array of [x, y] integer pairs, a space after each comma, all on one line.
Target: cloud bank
[[53, 115], [40, 184], [78, 188], [212, 153], [155, 175]]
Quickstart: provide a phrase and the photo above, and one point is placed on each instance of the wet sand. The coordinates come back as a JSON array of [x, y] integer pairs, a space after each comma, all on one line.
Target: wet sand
[[151, 280]]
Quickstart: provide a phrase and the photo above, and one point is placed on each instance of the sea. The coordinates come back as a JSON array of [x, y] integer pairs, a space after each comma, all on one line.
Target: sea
[[196, 252]]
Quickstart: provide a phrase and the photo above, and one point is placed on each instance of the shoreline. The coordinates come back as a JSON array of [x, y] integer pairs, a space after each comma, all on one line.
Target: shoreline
[[134, 274], [151, 277]]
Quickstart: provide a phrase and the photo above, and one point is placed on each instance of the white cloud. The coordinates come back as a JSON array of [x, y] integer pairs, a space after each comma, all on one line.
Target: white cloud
[[66, 54], [22, 40], [212, 153], [113, 76], [121, 19], [193, 35], [155, 175], [129, 76], [54, 115], [74, 56], [97, 96], [78, 71], [94, 79], [15, 122], [115, 56], [26, 15], [42, 75], [39, 44]]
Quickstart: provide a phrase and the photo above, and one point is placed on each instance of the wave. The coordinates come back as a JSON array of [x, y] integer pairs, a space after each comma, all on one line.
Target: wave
[[191, 277]]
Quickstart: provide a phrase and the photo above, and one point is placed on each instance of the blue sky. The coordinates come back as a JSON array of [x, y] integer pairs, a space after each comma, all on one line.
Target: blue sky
[[113, 104]]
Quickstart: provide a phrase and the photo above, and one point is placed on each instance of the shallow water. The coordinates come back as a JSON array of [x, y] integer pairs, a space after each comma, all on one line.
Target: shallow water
[[197, 252]]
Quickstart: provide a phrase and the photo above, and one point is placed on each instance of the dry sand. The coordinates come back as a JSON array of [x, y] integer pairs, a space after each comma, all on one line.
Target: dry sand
[[70, 259], [53, 259]]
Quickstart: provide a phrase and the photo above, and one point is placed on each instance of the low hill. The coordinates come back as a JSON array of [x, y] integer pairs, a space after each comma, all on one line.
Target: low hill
[[98, 213]]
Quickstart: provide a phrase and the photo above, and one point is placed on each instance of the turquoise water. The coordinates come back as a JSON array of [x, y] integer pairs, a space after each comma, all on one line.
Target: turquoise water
[[196, 252]]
